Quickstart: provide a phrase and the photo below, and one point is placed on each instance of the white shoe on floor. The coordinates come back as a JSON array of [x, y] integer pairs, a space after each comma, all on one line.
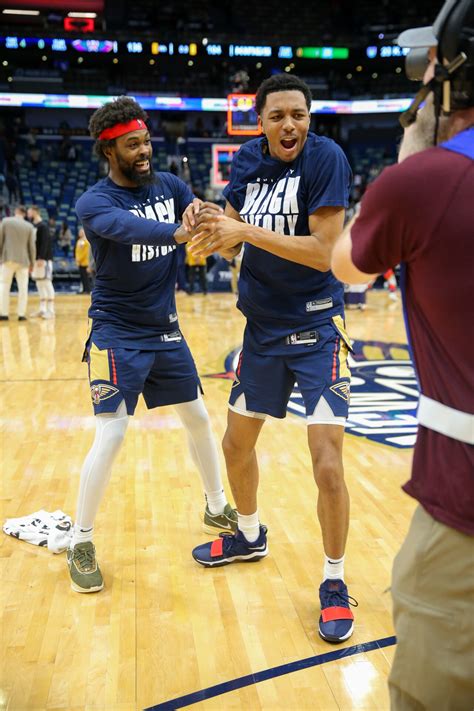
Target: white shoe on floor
[[47, 315]]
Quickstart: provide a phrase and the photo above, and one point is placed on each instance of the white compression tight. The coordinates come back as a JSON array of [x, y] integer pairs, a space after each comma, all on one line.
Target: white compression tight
[[203, 449], [96, 470], [110, 432]]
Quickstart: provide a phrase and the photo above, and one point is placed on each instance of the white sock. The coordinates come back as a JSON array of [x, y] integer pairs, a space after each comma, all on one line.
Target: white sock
[[333, 568], [81, 535], [216, 501], [249, 525], [97, 468], [203, 450], [43, 306], [51, 306]]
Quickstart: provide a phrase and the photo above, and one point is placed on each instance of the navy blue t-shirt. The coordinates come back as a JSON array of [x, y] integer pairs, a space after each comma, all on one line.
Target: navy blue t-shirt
[[131, 235], [276, 295]]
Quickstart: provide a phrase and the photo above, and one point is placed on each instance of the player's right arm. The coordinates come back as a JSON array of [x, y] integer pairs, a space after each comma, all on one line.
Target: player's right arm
[[98, 214], [232, 252]]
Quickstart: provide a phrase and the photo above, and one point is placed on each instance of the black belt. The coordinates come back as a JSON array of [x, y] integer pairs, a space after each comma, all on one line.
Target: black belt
[[302, 338]]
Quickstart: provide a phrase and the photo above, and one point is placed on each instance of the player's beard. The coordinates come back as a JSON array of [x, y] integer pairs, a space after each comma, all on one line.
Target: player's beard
[[421, 135], [135, 176]]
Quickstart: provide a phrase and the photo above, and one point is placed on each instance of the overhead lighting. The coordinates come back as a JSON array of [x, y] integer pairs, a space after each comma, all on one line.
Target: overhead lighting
[[20, 12], [92, 15]]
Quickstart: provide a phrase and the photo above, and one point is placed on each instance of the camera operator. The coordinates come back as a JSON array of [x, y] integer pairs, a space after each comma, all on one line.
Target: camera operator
[[421, 213]]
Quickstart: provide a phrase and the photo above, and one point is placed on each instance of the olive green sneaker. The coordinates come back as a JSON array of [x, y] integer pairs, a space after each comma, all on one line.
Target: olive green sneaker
[[83, 569], [226, 521]]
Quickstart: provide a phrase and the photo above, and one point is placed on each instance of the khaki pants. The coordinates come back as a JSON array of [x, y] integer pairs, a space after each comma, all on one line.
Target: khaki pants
[[20, 272], [433, 608]]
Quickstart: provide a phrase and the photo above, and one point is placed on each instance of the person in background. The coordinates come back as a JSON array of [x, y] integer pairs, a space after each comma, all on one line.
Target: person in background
[[91, 269], [17, 257], [82, 256], [196, 267], [13, 187], [355, 296], [420, 213], [43, 265], [234, 265], [65, 238], [53, 230], [181, 281]]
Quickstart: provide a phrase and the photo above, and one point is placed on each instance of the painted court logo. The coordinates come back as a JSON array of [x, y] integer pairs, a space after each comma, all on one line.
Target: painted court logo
[[383, 392]]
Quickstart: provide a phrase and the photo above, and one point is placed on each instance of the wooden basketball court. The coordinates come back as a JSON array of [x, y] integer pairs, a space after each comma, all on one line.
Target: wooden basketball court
[[165, 628]]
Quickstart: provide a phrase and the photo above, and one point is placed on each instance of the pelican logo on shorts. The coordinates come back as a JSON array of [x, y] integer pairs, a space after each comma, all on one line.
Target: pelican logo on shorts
[[342, 390], [383, 389], [102, 392]]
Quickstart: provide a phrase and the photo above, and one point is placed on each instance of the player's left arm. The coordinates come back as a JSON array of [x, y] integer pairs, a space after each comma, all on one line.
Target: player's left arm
[[342, 265], [313, 250]]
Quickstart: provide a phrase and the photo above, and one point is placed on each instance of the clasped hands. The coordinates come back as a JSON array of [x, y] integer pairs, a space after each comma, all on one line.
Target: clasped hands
[[211, 230]]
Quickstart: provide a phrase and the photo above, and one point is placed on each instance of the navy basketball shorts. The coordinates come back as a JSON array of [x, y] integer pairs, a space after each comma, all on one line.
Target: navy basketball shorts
[[164, 377], [264, 383]]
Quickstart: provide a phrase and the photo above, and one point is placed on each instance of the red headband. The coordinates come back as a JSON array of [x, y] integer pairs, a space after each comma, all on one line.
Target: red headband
[[120, 129]]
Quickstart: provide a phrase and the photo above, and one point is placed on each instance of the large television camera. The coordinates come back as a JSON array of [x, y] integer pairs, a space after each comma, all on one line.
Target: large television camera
[[452, 33]]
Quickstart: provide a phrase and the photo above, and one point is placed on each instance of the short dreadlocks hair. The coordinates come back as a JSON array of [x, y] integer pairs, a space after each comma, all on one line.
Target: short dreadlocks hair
[[121, 110], [281, 82]]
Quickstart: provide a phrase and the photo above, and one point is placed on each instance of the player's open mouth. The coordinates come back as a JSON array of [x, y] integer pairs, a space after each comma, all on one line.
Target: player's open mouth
[[142, 166], [288, 143]]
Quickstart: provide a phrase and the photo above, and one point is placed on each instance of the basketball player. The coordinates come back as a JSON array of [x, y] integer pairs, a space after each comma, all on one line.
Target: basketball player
[[420, 213], [286, 201], [44, 252], [135, 345]]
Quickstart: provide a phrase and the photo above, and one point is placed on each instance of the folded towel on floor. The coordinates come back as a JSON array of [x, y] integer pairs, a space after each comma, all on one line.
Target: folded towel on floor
[[52, 530]]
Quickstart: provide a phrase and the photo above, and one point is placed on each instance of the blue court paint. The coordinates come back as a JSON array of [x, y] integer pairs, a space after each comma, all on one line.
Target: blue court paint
[[250, 679]]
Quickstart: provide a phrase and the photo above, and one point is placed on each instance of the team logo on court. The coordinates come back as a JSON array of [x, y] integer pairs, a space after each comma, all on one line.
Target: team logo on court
[[383, 392], [102, 392]]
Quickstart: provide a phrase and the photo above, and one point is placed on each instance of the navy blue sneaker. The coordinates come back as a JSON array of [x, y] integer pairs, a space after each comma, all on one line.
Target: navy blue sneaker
[[336, 623], [230, 548]]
